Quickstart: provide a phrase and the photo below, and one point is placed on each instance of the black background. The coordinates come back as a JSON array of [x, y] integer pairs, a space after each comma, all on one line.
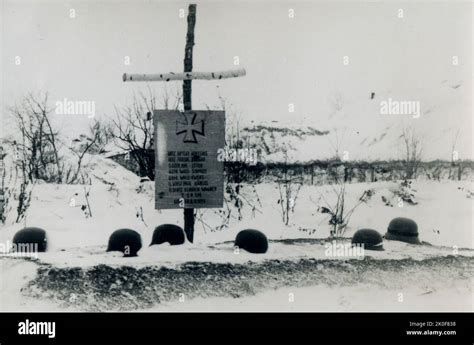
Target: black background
[[236, 328]]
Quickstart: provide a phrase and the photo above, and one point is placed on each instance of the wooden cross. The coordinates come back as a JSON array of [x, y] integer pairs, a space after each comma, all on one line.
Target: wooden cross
[[187, 76]]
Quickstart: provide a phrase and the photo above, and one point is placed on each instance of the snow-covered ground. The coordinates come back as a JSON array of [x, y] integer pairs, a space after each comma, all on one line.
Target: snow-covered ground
[[358, 298], [118, 199]]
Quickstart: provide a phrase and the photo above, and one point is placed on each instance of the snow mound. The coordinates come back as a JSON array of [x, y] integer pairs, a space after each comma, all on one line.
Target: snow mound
[[102, 287]]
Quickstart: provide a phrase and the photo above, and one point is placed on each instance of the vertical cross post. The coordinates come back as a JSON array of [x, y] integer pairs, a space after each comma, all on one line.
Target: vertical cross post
[[187, 92]]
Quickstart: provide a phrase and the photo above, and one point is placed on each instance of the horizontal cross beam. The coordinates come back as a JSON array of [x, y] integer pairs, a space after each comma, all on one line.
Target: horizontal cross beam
[[185, 76]]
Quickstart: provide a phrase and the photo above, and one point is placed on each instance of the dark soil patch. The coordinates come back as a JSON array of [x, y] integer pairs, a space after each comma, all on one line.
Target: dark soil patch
[[103, 287]]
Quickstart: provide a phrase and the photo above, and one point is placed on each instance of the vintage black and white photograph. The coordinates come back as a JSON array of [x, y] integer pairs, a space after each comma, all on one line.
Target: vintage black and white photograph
[[236, 156]]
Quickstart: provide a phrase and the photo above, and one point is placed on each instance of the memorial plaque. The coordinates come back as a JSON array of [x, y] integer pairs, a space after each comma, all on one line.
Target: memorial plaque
[[187, 173]]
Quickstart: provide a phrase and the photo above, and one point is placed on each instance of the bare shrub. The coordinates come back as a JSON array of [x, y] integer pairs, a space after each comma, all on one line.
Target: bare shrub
[[340, 214], [413, 151], [289, 187], [133, 129], [38, 145]]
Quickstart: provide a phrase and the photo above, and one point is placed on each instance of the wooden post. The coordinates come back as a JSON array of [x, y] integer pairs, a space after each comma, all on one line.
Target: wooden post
[[187, 91]]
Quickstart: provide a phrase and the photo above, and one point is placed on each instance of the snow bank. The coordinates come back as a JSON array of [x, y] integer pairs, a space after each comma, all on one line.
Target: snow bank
[[324, 284]]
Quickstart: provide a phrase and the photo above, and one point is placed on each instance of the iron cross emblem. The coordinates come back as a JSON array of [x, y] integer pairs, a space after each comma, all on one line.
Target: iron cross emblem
[[190, 127]]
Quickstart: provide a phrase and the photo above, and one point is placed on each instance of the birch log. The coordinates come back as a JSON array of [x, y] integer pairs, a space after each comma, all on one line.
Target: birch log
[[185, 76]]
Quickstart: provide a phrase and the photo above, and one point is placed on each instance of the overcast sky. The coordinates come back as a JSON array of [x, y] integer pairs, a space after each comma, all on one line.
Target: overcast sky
[[288, 60]]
